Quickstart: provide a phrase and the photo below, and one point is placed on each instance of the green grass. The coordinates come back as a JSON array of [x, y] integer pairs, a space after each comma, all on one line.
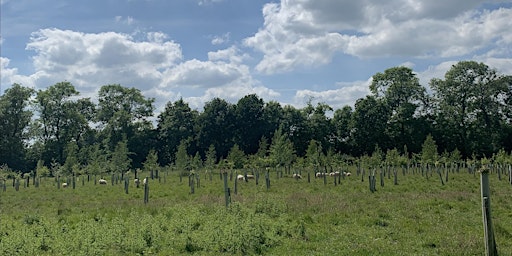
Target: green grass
[[419, 216]]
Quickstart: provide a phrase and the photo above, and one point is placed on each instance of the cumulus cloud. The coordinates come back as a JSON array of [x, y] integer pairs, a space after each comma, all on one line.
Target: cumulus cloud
[[92, 60], [222, 75], [346, 94], [10, 76], [231, 54], [154, 65], [501, 65], [221, 39], [310, 32], [206, 74]]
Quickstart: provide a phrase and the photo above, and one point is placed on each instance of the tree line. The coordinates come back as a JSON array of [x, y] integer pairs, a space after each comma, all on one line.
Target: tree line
[[467, 113]]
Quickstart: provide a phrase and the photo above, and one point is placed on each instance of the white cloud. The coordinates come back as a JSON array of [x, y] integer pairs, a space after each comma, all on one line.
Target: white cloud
[[207, 2], [10, 76], [502, 66], [128, 20], [205, 74], [347, 94], [310, 32], [155, 66], [221, 39], [231, 54], [231, 93], [91, 60]]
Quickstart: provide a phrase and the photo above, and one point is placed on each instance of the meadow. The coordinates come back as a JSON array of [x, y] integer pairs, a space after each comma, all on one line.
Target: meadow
[[417, 216]]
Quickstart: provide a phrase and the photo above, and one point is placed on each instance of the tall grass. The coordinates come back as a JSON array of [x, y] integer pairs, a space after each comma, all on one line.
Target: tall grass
[[419, 216]]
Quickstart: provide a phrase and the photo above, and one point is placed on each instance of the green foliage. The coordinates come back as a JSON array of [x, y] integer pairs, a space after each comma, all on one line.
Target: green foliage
[[175, 123], [236, 157], [120, 162], [281, 152], [376, 159], [182, 161], [14, 121], [470, 107], [42, 170], [314, 155], [71, 162], [196, 162], [294, 217], [211, 158], [502, 157], [393, 158], [468, 112], [429, 153], [151, 162]]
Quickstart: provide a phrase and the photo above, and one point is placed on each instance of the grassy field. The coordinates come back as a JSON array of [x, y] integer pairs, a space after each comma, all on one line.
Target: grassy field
[[419, 216]]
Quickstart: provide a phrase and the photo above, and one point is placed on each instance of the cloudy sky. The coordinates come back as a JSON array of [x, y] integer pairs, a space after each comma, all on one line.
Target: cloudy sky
[[290, 51]]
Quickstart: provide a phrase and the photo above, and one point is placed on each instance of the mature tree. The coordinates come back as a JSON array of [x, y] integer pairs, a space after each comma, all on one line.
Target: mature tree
[[62, 119], [124, 113], [249, 124], [215, 127], [400, 90], [320, 126], [295, 126], [471, 108], [369, 122], [272, 116], [175, 124], [14, 121], [342, 129]]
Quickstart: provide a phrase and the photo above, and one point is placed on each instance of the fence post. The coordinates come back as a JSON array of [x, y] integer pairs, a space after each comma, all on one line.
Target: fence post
[[510, 174], [146, 191], [490, 243], [226, 188]]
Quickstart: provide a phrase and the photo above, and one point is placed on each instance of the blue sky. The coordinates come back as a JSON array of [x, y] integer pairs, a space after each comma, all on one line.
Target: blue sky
[[290, 51]]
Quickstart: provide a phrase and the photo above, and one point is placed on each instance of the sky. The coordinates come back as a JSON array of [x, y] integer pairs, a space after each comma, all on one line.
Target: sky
[[289, 51]]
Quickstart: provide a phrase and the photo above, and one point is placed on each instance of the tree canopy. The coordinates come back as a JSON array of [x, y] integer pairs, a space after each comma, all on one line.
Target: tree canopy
[[468, 113]]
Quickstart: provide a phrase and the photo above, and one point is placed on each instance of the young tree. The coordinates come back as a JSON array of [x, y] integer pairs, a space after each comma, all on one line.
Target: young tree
[[182, 160], [211, 158], [314, 155], [429, 154], [236, 157], [120, 160], [151, 163], [71, 163], [281, 151]]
